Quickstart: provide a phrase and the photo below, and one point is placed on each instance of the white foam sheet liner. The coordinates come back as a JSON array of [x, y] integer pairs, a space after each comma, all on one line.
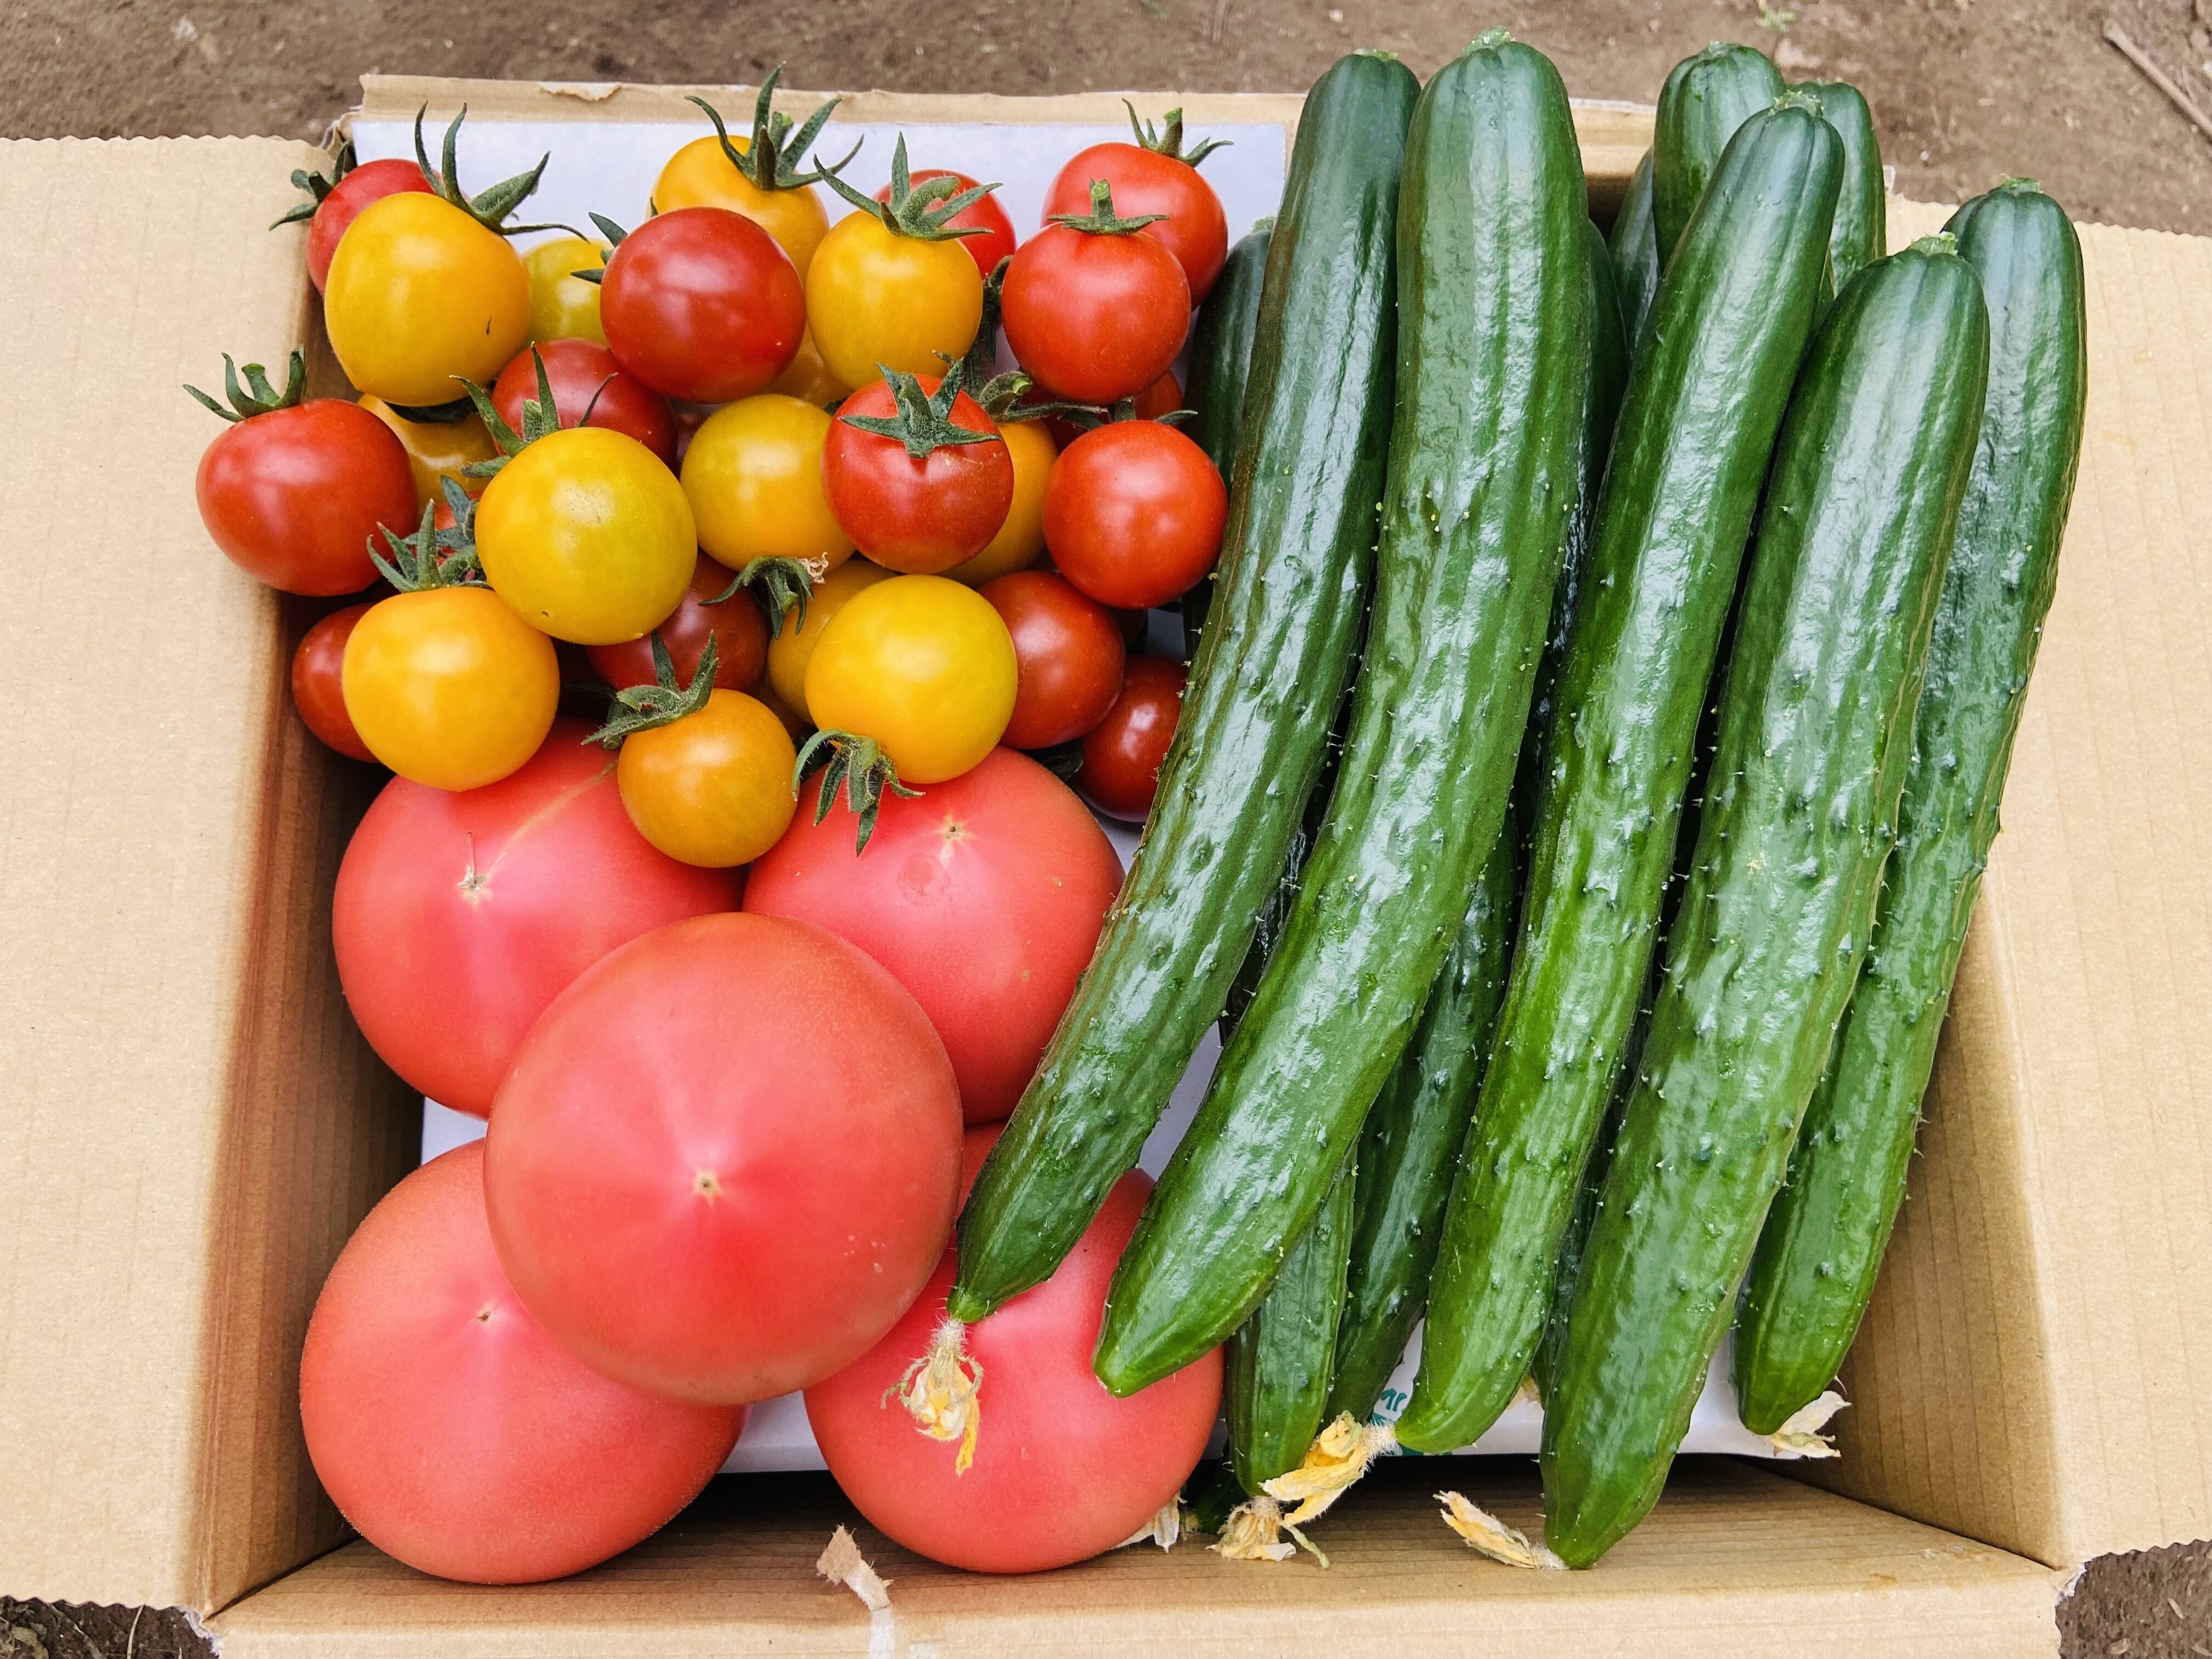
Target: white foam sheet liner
[[609, 167]]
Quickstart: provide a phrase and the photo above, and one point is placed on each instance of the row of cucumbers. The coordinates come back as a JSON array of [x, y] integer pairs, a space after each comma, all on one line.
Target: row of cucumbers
[[1642, 753]]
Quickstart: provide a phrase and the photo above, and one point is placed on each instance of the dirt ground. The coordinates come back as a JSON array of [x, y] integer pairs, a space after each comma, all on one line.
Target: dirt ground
[[1964, 92]]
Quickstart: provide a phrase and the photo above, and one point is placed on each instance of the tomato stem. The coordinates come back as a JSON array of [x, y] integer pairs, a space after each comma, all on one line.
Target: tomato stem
[[923, 422], [770, 159], [859, 765], [256, 396], [1168, 141], [316, 187], [922, 211], [429, 557], [641, 707], [541, 416], [779, 584], [1101, 220], [489, 208]]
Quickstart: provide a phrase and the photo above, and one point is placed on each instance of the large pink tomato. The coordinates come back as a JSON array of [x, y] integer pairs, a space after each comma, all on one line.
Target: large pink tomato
[[983, 896], [459, 916]]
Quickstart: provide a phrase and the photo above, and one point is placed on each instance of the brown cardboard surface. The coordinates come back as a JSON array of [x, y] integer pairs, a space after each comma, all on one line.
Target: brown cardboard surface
[[192, 1124], [1734, 1561]]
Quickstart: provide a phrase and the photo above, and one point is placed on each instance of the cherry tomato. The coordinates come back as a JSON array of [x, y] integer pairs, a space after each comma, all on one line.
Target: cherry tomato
[[808, 378], [713, 787], [1019, 542], [1063, 1470], [452, 1430], [437, 450], [702, 304], [753, 475], [793, 648], [735, 624], [1121, 754], [1070, 654], [1133, 513], [879, 299], [371, 182], [585, 375], [997, 241], [422, 296], [458, 917], [984, 896], [921, 665], [702, 174], [1193, 227], [295, 496], [589, 536], [562, 305], [1095, 317], [923, 514], [726, 1159], [1162, 397], [318, 690], [449, 687]]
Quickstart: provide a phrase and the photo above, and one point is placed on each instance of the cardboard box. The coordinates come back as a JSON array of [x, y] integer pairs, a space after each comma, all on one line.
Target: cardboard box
[[193, 1126]]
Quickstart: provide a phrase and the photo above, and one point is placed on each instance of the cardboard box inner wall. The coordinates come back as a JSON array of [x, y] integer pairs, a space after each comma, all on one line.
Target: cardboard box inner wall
[[193, 1125]]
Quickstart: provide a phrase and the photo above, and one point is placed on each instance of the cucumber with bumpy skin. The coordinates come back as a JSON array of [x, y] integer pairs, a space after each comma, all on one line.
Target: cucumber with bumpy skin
[[1220, 362], [1276, 1381], [1816, 736], [1862, 229], [1706, 97], [1824, 1241], [1635, 247]]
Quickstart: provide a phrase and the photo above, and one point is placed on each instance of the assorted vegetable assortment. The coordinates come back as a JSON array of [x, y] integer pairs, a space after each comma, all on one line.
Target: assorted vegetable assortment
[[1575, 793]]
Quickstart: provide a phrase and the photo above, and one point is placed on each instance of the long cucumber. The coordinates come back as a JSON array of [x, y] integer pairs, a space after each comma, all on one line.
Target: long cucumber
[[1862, 229], [1288, 606], [1816, 736], [1220, 362], [1705, 99], [1705, 399], [1280, 1360], [1635, 247], [1493, 338], [1824, 1241]]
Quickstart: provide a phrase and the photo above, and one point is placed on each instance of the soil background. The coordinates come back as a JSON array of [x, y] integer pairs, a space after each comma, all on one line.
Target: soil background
[[1964, 92]]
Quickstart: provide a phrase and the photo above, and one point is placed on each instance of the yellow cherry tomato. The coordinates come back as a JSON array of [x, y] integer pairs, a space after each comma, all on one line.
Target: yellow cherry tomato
[[1020, 541], [753, 475], [923, 666], [713, 787], [702, 174], [808, 378], [875, 298], [562, 305], [421, 294], [793, 648], [436, 449], [588, 535], [448, 687]]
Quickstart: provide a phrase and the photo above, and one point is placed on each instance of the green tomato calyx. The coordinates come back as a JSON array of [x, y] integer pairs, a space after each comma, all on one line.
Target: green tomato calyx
[[857, 764], [922, 211], [256, 396], [771, 159], [1167, 140], [1101, 220], [641, 707], [923, 422]]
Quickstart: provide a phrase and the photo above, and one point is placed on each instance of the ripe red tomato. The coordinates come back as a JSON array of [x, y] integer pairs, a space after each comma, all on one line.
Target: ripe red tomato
[[1121, 755], [1162, 397], [702, 304], [584, 375], [984, 896], [1193, 229], [318, 692], [371, 182], [452, 1430], [997, 241], [1133, 513], [1094, 317], [916, 515], [1063, 1470], [459, 916], [293, 496], [1067, 652], [736, 626], [726, 1159]]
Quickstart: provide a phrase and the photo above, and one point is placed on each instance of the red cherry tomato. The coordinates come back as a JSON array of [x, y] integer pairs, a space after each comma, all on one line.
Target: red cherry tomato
[[371, 182], [736, 626], [984, 896], [923, 515], [1063, 1470], [1068, 650], [584, 375], [459, 916], [997, 241], [726, 1158], [1121, 755], [1133, 513], [452, 1430], [1194, 229], [293, 495], [317, 692], [1094, 318], [702, 304]]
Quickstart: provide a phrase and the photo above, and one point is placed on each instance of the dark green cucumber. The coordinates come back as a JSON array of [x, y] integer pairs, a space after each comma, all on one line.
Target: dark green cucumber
[[1862, 229], [1289, 605], [1816, 736], [1706, 97], [1824, 1241], [1492, 347], [1705, 399], [1276, 1383], [1220, 361], [1635, 249]]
